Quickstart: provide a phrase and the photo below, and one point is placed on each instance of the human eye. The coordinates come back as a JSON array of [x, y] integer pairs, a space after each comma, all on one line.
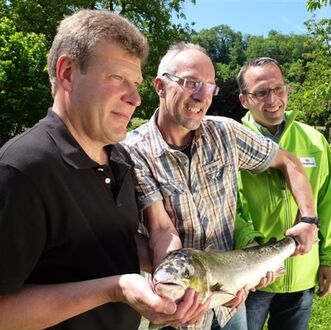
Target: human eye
[[279, 90], [116, 79], [192, 84], [261, 93]]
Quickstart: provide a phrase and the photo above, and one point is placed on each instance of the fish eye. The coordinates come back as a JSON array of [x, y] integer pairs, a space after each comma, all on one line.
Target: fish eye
[[187, 273]]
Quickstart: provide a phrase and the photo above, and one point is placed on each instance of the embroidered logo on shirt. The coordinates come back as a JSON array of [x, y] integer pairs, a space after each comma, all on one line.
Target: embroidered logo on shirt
[[308, 161]]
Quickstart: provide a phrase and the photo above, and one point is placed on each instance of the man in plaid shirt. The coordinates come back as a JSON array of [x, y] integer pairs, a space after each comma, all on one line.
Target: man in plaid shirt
[[186, 166]]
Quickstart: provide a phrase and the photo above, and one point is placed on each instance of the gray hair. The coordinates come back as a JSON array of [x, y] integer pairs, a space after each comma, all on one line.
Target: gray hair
[[78, 34], [166, 65], [255, 62]]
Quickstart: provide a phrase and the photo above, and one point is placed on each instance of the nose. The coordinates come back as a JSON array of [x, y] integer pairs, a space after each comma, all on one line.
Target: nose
[[132, 96], [271, 96]]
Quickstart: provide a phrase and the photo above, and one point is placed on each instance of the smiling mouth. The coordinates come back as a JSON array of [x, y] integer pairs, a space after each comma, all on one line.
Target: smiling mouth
[[193, 110], [272, 110]]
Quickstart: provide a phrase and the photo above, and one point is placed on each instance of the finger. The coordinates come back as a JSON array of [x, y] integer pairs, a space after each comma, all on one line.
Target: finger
[[192, 309], [198, 309], [262, 283], [189, 300], [240, 297], [164, 306]]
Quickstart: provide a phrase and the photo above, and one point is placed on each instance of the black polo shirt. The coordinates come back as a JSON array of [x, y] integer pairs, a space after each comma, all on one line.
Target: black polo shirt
[[64, 218]]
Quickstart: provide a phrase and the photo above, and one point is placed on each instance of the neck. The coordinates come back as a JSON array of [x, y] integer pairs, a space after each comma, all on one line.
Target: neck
[[176, 136], [94, 150]]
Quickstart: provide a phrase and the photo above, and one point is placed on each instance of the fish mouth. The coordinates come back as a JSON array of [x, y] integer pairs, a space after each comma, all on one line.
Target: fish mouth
[[170, 290]]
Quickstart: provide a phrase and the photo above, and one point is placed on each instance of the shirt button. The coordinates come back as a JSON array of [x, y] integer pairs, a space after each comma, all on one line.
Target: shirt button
[[100, 169], [107, 180]]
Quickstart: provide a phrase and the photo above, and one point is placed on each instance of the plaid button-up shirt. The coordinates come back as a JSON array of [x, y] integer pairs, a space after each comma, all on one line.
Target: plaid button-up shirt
[[200, 192]]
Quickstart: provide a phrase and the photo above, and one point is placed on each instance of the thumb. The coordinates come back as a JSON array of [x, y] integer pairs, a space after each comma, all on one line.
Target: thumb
[[170, 307], [164, 305], [290, 232]]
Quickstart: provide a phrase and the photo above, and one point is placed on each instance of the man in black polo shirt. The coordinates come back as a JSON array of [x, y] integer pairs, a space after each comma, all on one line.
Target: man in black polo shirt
[[68, 215]]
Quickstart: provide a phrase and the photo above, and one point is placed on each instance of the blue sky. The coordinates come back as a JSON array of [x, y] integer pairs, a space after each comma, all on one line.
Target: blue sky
[[256, 17]]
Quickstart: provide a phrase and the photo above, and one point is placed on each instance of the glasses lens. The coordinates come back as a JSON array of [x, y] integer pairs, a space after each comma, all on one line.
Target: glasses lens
[[193, 85], [262, 93], [211, 88], [280, 90]]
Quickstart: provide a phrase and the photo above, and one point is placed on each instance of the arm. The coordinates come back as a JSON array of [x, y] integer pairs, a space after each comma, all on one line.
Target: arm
[[299, 185], [143, 253], [42, 306], [163, 234]]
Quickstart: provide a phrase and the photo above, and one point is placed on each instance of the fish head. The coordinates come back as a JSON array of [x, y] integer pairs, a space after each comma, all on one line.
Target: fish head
[[176, 273]]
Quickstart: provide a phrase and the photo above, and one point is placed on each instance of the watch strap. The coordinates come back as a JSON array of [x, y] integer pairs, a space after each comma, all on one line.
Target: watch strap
[[313, 220]]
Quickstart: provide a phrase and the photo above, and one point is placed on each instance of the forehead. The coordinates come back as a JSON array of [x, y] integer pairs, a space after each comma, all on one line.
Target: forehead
[[263, 74], [193, 63], [115, 59]]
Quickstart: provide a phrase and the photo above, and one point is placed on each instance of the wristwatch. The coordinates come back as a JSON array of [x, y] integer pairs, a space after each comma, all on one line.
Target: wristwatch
[[314, 220]]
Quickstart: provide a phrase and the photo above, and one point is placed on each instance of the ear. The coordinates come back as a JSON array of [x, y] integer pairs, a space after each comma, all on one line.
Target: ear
[[243, 100], [64, 70], [159, 86]]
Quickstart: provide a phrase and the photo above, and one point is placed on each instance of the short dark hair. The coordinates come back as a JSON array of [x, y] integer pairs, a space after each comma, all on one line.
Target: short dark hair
[[260, 61]]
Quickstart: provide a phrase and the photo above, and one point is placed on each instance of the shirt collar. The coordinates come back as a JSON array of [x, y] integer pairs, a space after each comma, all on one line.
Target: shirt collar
[[275, 137], [156, 138], [71, 152]]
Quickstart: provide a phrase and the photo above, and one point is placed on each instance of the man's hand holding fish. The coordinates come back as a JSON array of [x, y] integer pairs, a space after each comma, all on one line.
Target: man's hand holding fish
[[137, 292], [305, 235]]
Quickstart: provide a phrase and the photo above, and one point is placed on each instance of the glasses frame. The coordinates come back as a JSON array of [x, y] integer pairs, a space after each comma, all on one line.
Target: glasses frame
[[286, 89], [184, 82]]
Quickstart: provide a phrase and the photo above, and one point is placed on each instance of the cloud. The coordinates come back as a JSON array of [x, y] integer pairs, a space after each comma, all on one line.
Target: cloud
[[301, 28]]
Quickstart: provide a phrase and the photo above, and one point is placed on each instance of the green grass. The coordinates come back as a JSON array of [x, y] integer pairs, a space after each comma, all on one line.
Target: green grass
[[321, 315]]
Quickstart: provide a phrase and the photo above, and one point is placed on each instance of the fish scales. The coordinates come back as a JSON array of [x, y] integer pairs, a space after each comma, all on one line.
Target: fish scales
[[219, 274]]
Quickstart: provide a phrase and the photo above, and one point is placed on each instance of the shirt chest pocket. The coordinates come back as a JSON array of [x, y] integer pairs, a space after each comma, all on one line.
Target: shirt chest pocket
[[217, 171]]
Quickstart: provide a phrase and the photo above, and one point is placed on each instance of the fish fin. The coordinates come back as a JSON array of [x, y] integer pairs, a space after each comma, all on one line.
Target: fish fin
[[280, 271], [220, 298], [217, 288]]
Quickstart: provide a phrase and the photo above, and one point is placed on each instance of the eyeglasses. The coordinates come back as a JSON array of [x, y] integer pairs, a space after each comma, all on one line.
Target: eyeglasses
[[262, 94], [193, 86]]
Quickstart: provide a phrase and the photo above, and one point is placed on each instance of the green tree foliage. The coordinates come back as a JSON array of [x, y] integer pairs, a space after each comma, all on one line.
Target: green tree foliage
[[219, 42], [24, 87], [286, 49], [313, 97], [317, 4]]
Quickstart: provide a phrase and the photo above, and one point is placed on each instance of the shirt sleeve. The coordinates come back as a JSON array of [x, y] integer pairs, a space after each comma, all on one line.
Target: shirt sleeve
[[255, 152], [22, 229], [147, 188]]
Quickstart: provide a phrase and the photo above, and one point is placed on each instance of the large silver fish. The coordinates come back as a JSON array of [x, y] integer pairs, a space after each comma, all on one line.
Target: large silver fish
[[217, 273]]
